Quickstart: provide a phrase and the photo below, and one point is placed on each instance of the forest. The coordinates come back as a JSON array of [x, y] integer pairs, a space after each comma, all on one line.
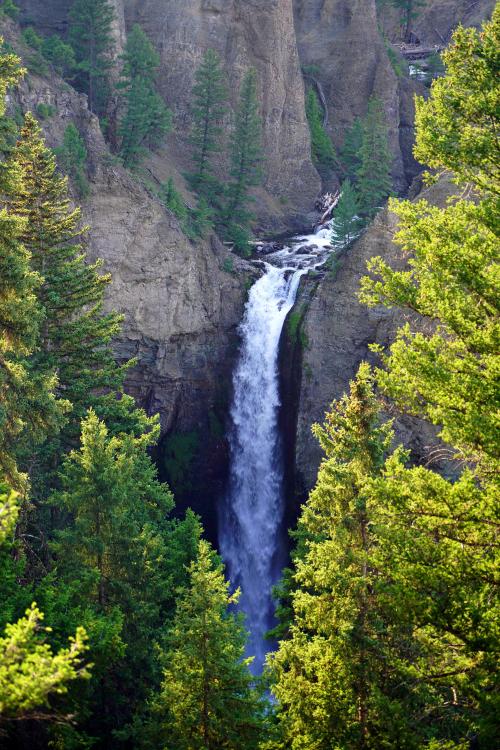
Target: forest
[[119, 621]]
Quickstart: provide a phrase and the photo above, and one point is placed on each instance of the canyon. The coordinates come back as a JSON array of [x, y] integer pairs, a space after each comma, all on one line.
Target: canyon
[[183, 301]]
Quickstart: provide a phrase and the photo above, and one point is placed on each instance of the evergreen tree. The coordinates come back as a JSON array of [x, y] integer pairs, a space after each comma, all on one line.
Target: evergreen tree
[[208, 109], [245, 163], [90, 35], [323, 152], [351, 148], [335, 676], [374, 174], [75, 335], [146, 119], [207, 699], [409, 12], [27, 401], [172, 199], [118, 564], [346, 222], [72, 157], [60, 54]]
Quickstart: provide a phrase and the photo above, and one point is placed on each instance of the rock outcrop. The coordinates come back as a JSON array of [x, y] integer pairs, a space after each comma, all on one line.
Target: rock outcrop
[[246, 34], [336, 333]]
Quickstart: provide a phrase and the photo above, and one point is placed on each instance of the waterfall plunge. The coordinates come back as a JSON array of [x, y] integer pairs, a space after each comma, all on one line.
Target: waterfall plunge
[[250, 524]]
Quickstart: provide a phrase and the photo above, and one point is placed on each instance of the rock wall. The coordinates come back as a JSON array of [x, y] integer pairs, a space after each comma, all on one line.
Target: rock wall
[[337, 331], [246, 33]]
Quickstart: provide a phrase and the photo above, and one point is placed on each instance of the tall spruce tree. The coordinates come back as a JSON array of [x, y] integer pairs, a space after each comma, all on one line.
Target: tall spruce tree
[[75, 335], [146, 119], [90, 35], [346, 218], [27, 401], [246, 157], [118, 564], [409, 12], [450, 377], [209, 106], [351, 148], [207, 700], [374, 174], [336, 674], [323, 152]]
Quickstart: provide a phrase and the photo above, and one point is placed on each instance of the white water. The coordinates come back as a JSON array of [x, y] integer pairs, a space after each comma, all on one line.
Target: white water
[[251, 515]]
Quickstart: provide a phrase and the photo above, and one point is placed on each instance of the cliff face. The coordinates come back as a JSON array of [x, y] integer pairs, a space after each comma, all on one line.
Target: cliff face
[[337, 332], [437, 19], [340, 41], [258, 33]]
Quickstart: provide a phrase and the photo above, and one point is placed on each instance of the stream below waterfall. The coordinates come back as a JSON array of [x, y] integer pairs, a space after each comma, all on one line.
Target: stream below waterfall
[[252, 539]]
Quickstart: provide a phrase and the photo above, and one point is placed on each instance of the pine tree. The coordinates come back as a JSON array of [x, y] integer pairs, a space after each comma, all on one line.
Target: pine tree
[[146, 118], [90, 36], [335, 676], [374, 174], [351, 148], [207, 699], [323, 152], [409, 12], [172, 199], [60, 54], [246, 156], [72, 157], [208, 109], [27, 400], [75, 335], [118, 564], [346, 221]]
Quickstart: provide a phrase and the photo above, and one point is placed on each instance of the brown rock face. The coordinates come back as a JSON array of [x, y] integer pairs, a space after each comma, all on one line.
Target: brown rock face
[[437, 19], [337, 332], [258, 33], [340, 41]]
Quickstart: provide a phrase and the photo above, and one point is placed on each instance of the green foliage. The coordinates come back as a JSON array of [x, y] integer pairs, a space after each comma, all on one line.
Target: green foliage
[[208, 110], [245, 172], [350, 152], [374, 181], [463, 109], [172, 199], [24, 655], [32, 38], [119, 562], [179, 451], [90, 35], [228, 265], [45, 111], [72, 157], [410, 10], [9, 8], [59, 54], [395, 60], [346, 218], [207, 699], [323, 152], [200, 220], [27, 401], [146, 119]]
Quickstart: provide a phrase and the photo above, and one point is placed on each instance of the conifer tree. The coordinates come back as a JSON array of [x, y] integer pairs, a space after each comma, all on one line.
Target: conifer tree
[[72, 157], [91, 38], [351, 148], [374, 174], [172, 199], [335, 676], [208, 109], [26, 399], [346, 220], [146, 118], [409, 12], [323, 152], [118, 564], [75, 335], [207, 700], [245, 163], [60, 54]]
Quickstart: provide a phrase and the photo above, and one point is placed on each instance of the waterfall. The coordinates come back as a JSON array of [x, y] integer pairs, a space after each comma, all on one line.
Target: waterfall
[[251, 514], [251, 521]]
